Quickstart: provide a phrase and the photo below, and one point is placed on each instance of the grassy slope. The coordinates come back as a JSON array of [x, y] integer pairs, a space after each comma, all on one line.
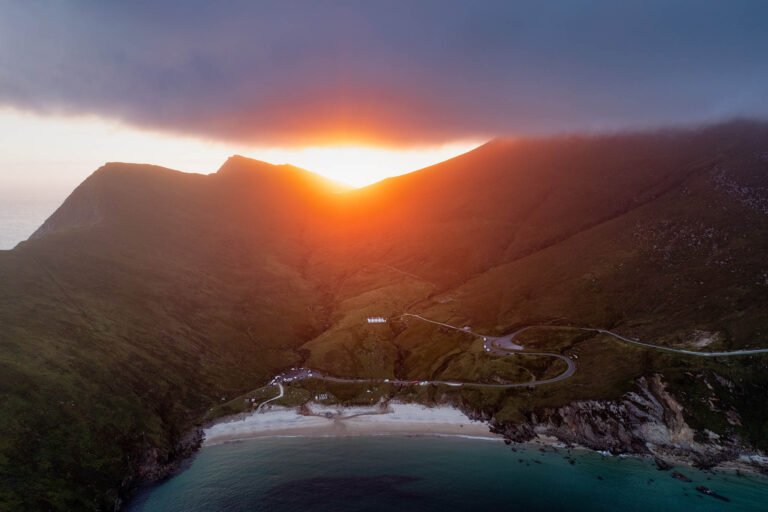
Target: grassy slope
[[672, 263], [119, 334], [151, 295]]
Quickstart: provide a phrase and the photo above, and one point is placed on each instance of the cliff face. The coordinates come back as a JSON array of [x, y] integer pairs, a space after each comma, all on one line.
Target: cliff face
[[155, 464], [646, 421]]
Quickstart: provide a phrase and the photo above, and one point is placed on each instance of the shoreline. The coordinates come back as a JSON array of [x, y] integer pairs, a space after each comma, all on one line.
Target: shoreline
[[314, 420], [400, 419], [742, 465]]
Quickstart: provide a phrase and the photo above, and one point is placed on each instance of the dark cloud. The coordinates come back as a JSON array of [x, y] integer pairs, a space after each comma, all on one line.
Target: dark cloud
[[294, 72]]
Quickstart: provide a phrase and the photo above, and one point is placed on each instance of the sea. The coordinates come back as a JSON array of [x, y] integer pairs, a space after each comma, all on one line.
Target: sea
[[434, 474], [21, 215]]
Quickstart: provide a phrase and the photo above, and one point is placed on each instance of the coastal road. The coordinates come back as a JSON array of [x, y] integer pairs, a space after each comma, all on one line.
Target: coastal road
[[730, 353], [727, 353], [507, 342], [490, 343], [502, 346], [496, 345], [569, 371], [280, 395]]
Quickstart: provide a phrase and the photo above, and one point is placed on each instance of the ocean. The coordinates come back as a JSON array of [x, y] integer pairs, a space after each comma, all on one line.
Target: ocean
[[426, 474], [21, 215]]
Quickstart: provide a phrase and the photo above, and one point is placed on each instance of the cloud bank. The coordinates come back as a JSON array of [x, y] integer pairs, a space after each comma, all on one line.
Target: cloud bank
[[403, 72]]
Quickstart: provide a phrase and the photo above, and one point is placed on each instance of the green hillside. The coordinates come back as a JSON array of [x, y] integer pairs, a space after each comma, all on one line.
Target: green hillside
[[152, 297]]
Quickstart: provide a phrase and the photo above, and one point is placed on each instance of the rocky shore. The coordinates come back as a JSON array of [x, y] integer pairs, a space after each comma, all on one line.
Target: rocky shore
[[648, 422], [156, 465]]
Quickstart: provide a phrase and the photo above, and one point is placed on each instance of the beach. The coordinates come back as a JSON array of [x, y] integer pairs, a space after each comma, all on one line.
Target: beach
[[315, 420], [404, 419]]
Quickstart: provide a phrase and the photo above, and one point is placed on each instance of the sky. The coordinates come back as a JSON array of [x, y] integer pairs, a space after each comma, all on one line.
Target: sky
[[355, 90]]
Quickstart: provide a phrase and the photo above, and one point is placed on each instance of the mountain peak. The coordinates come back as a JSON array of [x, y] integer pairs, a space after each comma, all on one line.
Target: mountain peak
[[244, 167], [239, 163]]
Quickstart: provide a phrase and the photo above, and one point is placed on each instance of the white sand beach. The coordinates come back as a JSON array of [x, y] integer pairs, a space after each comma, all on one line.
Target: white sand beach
[[321, 421]]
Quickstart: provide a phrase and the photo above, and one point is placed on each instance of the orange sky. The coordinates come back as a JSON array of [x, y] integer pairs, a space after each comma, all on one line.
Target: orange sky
[[58, 152]]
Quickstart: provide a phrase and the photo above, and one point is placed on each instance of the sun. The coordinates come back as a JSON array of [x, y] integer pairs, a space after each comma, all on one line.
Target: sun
[[359, 166], [77, 145]]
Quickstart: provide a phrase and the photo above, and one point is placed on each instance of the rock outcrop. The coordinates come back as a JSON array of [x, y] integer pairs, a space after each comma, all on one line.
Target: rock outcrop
[[156, 464], [647, 421]]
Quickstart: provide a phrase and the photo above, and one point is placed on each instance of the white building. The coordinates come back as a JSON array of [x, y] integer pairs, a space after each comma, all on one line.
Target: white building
[[377, 320]]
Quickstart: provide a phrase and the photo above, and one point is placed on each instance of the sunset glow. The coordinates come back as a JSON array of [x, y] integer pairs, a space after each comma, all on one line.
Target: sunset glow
[[359, 165], [57, 152]]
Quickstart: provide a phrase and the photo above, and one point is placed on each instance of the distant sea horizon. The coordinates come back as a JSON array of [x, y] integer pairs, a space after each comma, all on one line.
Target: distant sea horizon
[[22, 214]]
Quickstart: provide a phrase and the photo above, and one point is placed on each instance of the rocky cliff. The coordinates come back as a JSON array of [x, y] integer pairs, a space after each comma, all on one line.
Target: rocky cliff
[[646, 421]]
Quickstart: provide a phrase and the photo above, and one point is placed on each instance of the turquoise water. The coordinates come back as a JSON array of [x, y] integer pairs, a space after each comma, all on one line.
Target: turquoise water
[[432, 474]]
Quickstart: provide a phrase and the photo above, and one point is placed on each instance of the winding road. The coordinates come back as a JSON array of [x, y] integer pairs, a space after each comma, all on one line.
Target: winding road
[[506, 342], [280, 395], [744, 352], [500, 346]]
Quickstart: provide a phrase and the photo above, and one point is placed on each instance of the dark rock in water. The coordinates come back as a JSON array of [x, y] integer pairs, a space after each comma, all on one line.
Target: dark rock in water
[[681, 477], [662, 465], [709, 492], [599, 477], [507, 442]]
